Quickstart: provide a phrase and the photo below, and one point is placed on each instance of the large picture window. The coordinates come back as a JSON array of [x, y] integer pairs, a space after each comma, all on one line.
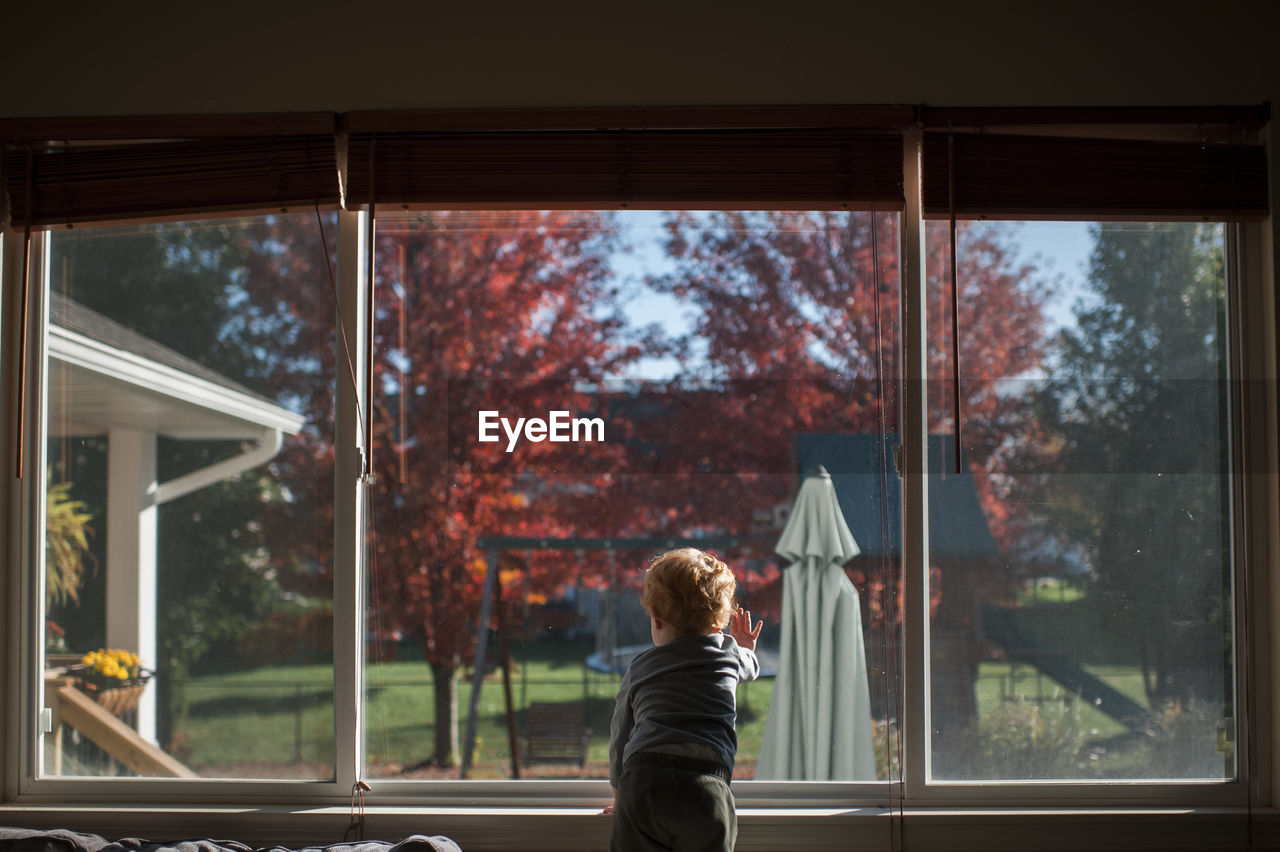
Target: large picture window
[[701, 364], [321, 499]]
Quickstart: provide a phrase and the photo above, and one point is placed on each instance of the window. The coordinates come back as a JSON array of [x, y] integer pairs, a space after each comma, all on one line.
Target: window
[[573, 364], [1081, 550], [189, 493], [686, 369]]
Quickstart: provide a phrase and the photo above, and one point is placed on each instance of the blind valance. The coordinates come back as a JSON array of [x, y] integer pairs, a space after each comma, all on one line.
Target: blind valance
[[1039, 177], [641, 168], [53, 186], [987, 174]]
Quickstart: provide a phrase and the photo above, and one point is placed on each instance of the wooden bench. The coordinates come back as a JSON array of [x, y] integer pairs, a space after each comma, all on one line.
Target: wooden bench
[[556, 733]]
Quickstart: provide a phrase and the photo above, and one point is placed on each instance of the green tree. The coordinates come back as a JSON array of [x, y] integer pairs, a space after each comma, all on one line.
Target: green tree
[[1137, 400], [515, 311], [224, 563]]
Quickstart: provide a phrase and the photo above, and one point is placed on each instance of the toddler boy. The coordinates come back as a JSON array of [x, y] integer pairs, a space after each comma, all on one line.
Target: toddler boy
[[672, 743]]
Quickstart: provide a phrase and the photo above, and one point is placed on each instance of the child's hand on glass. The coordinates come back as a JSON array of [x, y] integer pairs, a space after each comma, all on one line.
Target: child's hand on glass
[[740, 629]]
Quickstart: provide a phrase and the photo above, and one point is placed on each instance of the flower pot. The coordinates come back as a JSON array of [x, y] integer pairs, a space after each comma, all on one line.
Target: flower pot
[[112, 694], [119, 699]]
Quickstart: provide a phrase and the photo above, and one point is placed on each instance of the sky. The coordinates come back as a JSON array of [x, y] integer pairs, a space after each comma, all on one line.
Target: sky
[[1059, 250]]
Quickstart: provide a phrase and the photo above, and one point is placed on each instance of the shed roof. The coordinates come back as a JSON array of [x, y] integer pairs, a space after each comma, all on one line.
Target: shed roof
[[870, 494]]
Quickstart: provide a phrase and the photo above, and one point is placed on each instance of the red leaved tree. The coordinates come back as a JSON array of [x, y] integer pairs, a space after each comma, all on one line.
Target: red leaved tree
[[791, 308], [515, 313], [795, 330], [799, 312]]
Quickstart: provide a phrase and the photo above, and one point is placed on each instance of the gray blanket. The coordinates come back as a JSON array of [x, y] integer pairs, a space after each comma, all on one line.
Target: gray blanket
[[62, 840]]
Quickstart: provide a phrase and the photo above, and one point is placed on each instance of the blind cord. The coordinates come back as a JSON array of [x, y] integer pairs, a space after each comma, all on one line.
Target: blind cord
[[358, 790], [892, 746], [367, 472], [342, 329], [26, 318], [955, 300]]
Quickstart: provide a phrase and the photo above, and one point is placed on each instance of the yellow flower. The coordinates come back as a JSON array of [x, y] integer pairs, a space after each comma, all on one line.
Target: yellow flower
[[112, 663]]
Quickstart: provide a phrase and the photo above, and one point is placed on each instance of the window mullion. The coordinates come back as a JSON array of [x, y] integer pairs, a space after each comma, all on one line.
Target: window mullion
[[348, 520], [915, 514], [25, 519], [1252, 331]]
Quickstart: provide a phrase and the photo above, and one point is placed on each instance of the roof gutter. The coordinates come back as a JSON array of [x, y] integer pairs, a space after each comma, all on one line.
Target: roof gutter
[[268, 445]]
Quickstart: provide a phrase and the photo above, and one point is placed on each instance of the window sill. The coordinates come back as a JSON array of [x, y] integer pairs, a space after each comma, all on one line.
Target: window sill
[[565, 829]]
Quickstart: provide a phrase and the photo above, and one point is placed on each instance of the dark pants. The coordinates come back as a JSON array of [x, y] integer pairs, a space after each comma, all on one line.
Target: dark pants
[[669, 803]]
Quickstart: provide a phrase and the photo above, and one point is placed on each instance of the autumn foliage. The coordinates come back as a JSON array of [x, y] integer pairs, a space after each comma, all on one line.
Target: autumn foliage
[[789, 324]]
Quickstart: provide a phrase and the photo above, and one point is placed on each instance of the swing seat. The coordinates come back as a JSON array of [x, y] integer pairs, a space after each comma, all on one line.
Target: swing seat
[[557, 732]]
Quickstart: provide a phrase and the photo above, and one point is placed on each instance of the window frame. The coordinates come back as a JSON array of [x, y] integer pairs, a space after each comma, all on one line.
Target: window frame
[[1237, 436], [1252, 350]]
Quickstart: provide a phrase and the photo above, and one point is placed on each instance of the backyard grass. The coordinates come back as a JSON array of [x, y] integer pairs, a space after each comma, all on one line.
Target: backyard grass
[[274, 721], [1048, 590], [1001, 682], [278, 721]]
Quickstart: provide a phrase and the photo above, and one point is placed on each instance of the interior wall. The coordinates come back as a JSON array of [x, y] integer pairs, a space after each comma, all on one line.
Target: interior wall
[[147, 57], [81, 58]]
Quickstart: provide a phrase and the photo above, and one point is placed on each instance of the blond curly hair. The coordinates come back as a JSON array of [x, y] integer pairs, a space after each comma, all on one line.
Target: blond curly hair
[[690, 589]]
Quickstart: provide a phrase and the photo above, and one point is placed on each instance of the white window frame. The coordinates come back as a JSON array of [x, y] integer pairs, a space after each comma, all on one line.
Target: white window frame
[[958, 815]]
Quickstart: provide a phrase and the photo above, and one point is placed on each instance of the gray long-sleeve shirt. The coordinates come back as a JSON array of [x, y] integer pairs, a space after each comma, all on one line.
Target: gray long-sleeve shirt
[[681, 698]]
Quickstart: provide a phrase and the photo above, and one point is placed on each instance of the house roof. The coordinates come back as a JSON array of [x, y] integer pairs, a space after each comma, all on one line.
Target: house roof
[[870, 494], [75, 317], [105, 376]]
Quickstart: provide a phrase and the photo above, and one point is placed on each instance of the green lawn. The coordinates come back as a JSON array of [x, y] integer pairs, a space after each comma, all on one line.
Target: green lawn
[[1003, 682], [243, 723], [1048, 590], [278, 721]]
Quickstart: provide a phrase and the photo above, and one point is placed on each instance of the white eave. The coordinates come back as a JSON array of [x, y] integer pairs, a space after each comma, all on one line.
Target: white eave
[[106, 388]]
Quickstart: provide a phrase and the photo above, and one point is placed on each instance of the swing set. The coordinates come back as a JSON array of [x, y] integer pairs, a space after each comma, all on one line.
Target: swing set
[[561, 734]]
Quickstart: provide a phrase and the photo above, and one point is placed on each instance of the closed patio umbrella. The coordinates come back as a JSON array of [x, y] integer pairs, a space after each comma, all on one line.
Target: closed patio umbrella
[[819, 724]]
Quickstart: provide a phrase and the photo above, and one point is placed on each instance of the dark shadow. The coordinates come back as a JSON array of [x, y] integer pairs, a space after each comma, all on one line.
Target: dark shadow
[[277, 702]]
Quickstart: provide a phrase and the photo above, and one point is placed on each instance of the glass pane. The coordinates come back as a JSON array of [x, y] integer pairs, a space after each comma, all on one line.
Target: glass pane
[[1081, 551], [677, 374], [189, 499]]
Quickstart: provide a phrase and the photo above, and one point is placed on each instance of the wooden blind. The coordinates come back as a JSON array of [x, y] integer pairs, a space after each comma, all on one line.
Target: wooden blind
[[642, 168], [1038, 177], [990, 175], [52, 186]]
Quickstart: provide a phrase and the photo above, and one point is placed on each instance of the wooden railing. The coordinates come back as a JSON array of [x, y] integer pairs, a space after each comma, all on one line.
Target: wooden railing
[[72, 707]]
